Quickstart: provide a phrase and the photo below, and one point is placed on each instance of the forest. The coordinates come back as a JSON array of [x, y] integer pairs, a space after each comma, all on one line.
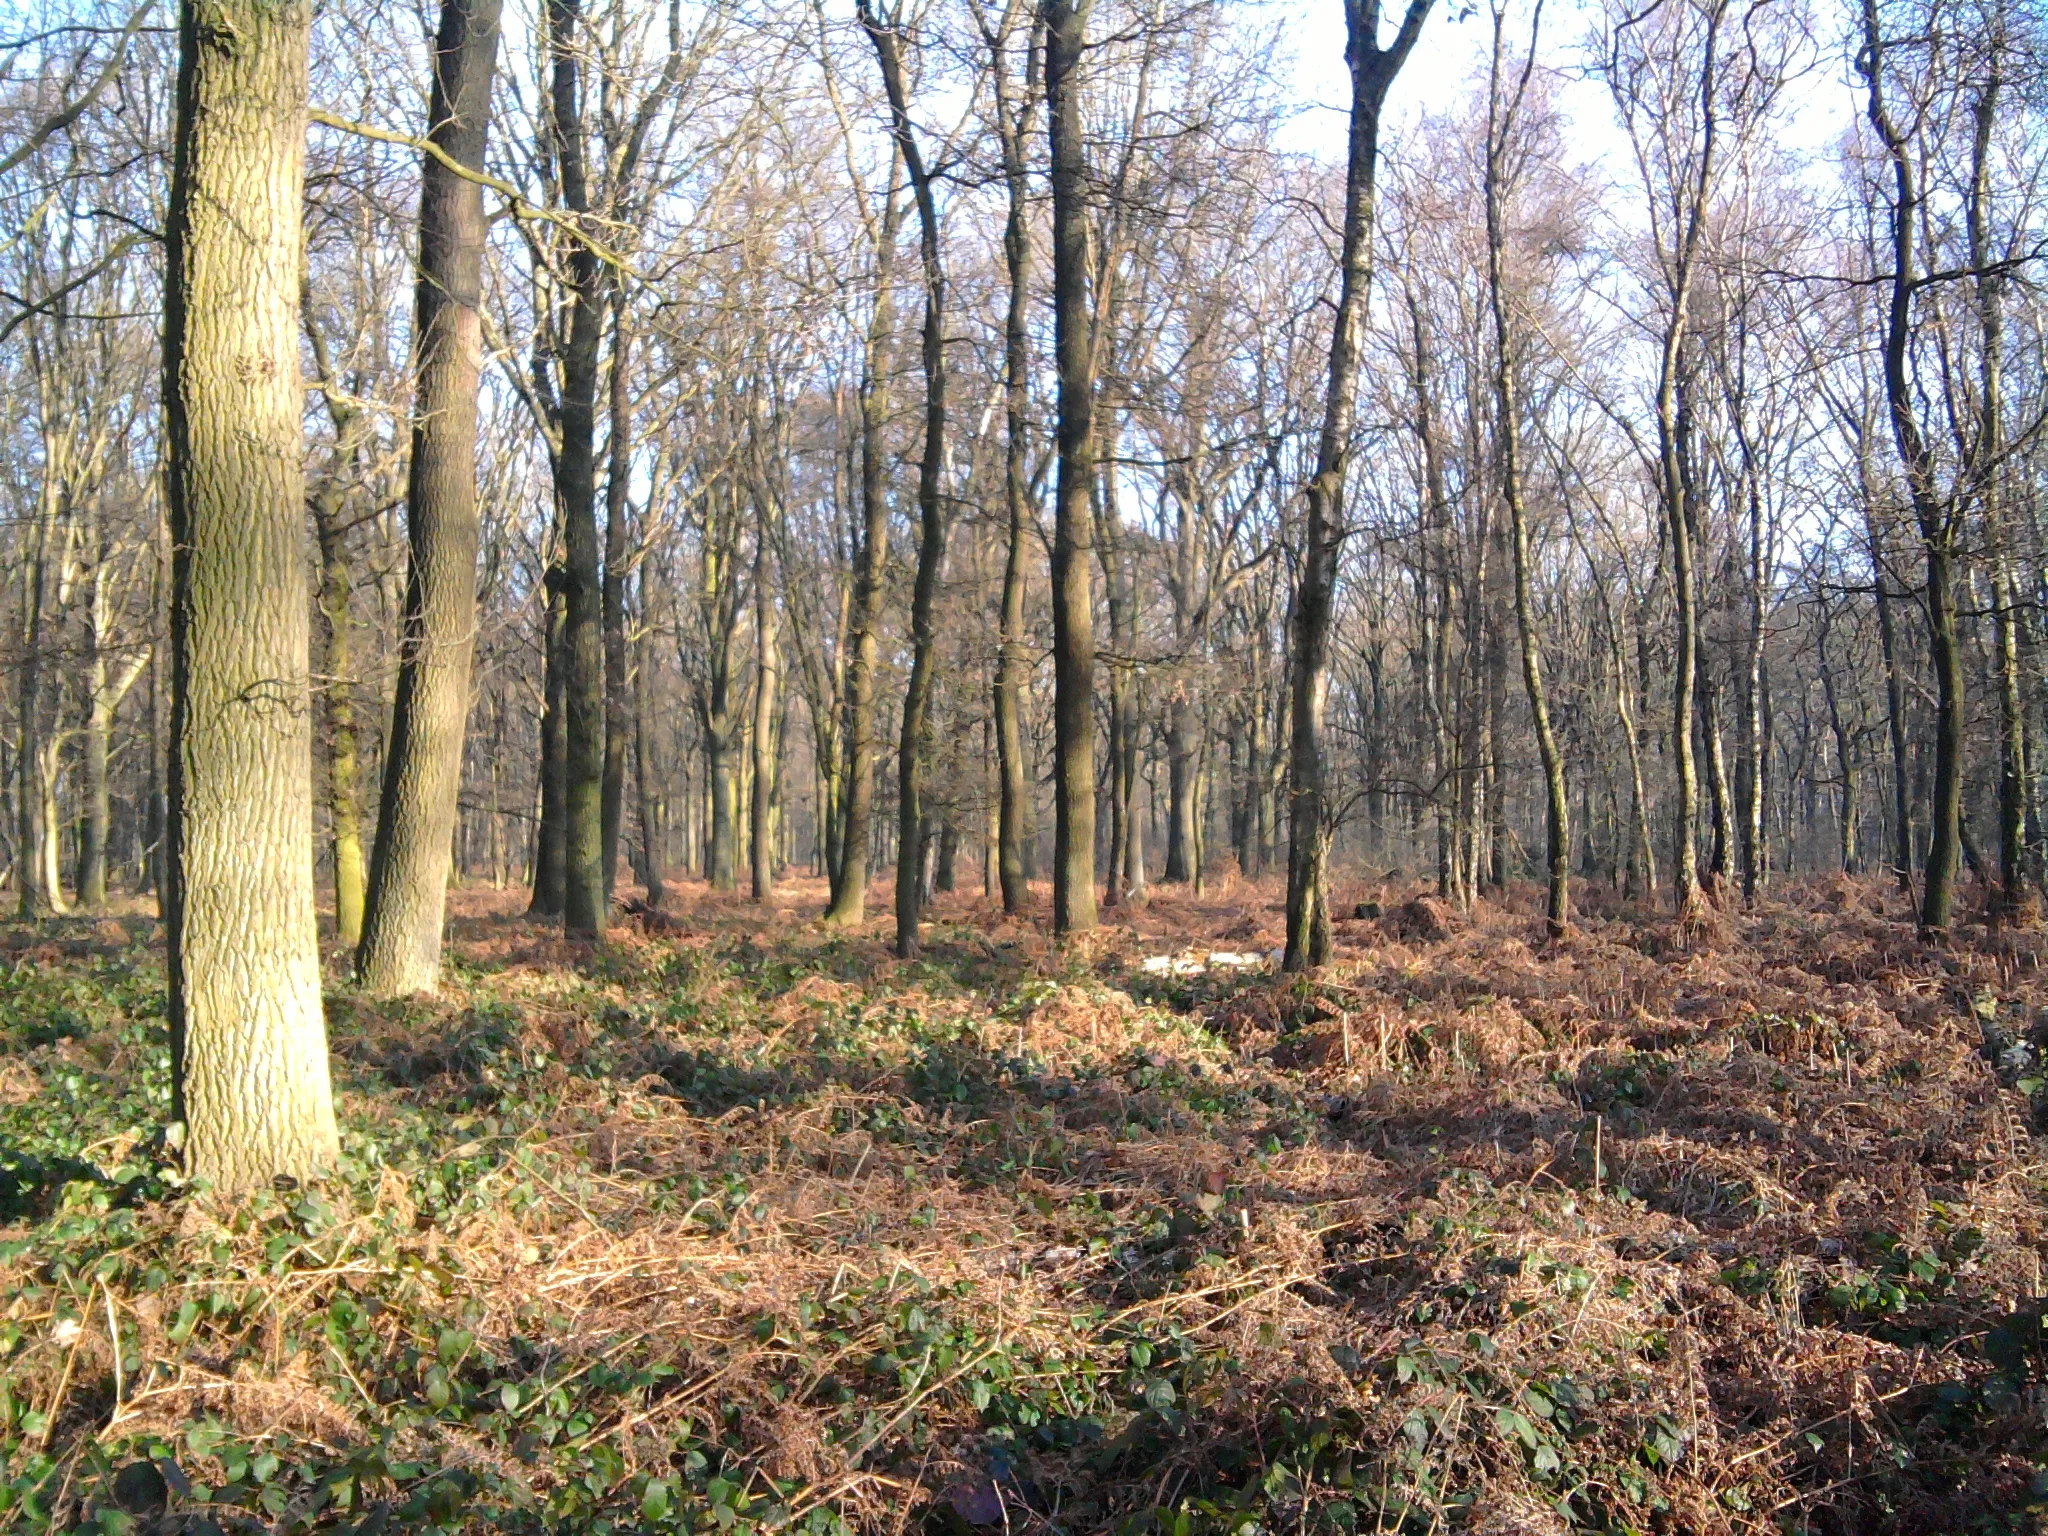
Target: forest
[[1175, 767]]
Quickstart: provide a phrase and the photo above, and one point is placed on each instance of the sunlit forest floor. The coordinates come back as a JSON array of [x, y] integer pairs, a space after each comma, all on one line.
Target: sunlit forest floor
[[743, 1225]]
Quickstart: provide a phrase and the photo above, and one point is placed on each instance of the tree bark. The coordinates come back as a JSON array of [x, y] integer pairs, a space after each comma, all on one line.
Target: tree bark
[[1309, 812], [248, 1037], [618, 705], [644, 779], [104, 693], [1935, 517], [582, 644], [401, 943], [551, 837], [913, 743], [34, 826], [2015, 896], [1013, 667], [1500, 123], [1073, 621], [850, 880]]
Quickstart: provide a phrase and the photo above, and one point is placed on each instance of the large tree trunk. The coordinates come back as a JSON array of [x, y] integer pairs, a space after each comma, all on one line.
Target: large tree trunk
[[857, 746], [401, 947], [583, 694], [1309, 812], [1073, 620], [248, 1038]]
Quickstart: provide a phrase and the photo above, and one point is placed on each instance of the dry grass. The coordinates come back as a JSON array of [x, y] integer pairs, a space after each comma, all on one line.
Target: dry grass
[[1699, 1230]]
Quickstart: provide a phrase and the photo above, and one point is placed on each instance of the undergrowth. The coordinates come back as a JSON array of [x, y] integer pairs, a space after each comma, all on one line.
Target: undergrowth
[[739, 1227]]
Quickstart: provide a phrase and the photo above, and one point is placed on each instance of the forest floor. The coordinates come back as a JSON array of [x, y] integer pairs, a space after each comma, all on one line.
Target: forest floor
[[740, 1224]]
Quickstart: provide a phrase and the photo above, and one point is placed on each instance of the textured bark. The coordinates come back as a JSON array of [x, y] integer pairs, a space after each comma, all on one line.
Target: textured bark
[[1309, 812], [401, 947], [582, 643], [248, 1038], [857, 743], [1073, 621]]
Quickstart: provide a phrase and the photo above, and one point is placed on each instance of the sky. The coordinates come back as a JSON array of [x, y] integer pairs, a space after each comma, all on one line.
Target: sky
[[1450, 56]]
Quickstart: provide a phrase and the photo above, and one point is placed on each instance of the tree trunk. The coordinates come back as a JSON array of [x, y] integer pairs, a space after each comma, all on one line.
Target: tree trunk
[[850, 881], [401, 945], [1685, 877], [721, 848], [1013, 667], [618, 707], [1121, 724], [643, 782], [1755, 749], [1073, 620], [913, 743], [1309, 813], [1720, 813], [583, 692], [91, 874], [1180, 787], [2015, 897], [1936, 518], [767, 707], [1500, 123], [32, 831], [248, 1037], [551, 837], [338, 707]]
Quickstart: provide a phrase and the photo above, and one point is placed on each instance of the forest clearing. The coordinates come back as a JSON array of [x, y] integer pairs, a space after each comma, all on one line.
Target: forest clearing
[[744, 1224], [1160, 767]]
